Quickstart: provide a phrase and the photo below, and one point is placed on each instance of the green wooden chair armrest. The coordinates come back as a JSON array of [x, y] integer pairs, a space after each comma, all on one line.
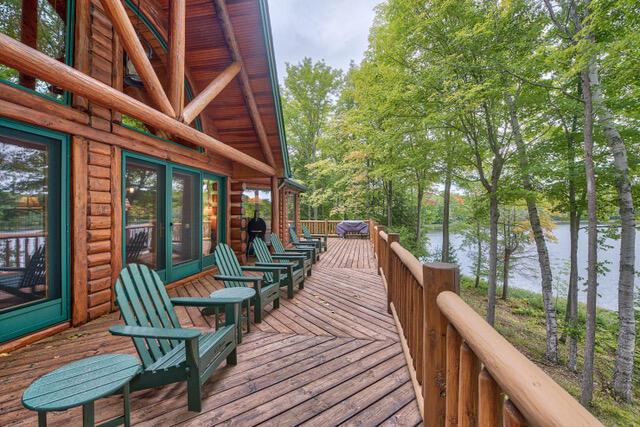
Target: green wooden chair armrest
[[303, 246], [262, 268], [295, 257], [279, 266], [246, 279], [158, 333], [202, 302]]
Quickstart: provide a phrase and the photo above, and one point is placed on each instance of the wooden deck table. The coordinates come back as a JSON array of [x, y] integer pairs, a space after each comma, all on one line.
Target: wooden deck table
[[82, 383], [240, 294]]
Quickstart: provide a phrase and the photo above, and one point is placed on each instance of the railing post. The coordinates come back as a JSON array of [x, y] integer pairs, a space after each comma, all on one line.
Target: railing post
[[436, 277], [388, 272], [380, 242]]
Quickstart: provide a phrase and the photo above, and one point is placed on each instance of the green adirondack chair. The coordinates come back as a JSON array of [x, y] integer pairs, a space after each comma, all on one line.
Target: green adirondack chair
[[294, 273], [170, 353], [279, 249], [232, 275], [322, 238], [293, 238]]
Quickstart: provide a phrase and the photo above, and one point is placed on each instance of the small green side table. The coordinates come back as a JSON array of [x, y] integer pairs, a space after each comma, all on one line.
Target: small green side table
[[82, 383], [239, 294]]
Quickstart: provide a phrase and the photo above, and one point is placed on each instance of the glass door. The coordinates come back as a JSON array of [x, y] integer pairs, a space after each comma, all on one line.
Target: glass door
[[33, 207], [184, 223], [144, 208], [213, 216]]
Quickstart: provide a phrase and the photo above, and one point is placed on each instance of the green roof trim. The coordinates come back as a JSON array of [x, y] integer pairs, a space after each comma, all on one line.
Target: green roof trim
[[295, 184], [273, 73]]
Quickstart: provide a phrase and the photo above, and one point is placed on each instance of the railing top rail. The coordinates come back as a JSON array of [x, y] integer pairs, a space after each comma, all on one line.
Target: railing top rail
[[411, 262], [384, 235], [538, 397]]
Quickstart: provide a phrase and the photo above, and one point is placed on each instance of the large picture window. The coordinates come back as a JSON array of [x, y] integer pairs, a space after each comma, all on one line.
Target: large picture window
[[33, 285], [45, 25]]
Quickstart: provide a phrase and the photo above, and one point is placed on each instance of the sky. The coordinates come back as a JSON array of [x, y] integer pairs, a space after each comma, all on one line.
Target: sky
[[334, 30]]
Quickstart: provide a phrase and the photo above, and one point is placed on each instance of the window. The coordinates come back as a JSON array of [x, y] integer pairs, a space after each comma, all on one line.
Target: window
[[43, 25], [291, 208], [257, 203], [32, 222], [210, 232]]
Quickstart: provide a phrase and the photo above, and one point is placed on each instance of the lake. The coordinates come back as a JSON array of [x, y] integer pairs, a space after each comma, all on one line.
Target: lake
[[526, 275]]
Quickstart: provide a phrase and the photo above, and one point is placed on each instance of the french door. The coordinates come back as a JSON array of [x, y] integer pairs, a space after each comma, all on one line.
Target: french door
[[34, 284], [171, 217]]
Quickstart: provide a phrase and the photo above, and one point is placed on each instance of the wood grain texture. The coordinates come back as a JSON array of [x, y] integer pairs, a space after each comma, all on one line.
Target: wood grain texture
[[79, 290], [490, 400], [177, 31], [329, 356]]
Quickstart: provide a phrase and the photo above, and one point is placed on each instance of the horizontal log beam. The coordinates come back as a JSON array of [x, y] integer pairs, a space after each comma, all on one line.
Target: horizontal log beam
[[132, 45], [25, 59], [205, 97], [252, 106]]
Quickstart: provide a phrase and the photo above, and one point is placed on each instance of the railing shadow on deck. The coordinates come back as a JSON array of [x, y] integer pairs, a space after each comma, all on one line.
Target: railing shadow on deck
[[464, 372]]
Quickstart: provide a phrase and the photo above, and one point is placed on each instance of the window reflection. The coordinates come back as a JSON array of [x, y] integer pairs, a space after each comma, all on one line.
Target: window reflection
[[40, 24], [24, 191], [210, 216], [183, 228], [143, 201]]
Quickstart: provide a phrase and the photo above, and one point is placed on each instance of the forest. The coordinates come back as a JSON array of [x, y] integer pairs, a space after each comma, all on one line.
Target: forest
[[496, 121]]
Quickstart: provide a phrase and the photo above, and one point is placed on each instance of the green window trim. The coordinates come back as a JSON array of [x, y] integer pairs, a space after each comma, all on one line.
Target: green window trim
[[171, 273], [38, 315], [68, 54]]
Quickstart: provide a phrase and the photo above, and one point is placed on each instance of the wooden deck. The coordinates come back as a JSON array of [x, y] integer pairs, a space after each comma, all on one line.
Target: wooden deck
[[330, 356]]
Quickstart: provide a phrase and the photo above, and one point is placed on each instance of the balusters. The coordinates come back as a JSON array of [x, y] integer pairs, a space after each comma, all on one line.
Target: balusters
[[512, 416], [453, 370], [490, 400], [468, 387]]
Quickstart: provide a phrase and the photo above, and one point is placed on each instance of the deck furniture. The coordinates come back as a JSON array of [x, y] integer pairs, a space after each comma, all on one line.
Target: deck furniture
[[170, 353], [294, 265], [232, 276], [240, 295], [81, 383], [293, 237], [135, 245], [315, 237], [279, 249], [353, 229], [20, 280]]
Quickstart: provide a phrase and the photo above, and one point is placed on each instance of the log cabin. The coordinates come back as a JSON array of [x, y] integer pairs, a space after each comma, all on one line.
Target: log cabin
[[129, 132]]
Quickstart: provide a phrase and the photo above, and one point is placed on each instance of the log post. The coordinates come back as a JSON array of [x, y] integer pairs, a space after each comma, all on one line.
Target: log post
[[275, 206], [468, 388], [177, 29], [388, 269], [79, 179], [490, 400], [436, 278], [29, 36], [453, 370], [380, 242]]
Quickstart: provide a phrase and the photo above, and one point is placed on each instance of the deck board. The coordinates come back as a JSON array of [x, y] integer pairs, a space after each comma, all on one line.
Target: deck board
[[330, 356]]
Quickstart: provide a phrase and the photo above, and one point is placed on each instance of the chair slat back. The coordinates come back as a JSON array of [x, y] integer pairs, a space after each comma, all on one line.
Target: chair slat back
[[277, 244], [306, 233], [143, 301], [293, 235], [263, 255], [136, 245], [228, 264], [36, 270]]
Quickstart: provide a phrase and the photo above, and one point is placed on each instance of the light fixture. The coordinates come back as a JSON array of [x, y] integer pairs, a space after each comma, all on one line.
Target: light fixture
[[131, 76]]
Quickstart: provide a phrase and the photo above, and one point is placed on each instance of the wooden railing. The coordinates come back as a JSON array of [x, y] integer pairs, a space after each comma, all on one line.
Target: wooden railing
[[464, 372], [16, 248]]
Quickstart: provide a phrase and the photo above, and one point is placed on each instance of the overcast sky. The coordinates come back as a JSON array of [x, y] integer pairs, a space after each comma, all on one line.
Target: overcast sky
[[334, 30]]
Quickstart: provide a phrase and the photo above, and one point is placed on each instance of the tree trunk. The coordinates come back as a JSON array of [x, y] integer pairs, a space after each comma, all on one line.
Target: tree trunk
[[627, 326], [538, 235], [446, 214], [505, 274], [592, 244], [389, 204], [494, 216], [571, 315], [479, 254], [419, 212]]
